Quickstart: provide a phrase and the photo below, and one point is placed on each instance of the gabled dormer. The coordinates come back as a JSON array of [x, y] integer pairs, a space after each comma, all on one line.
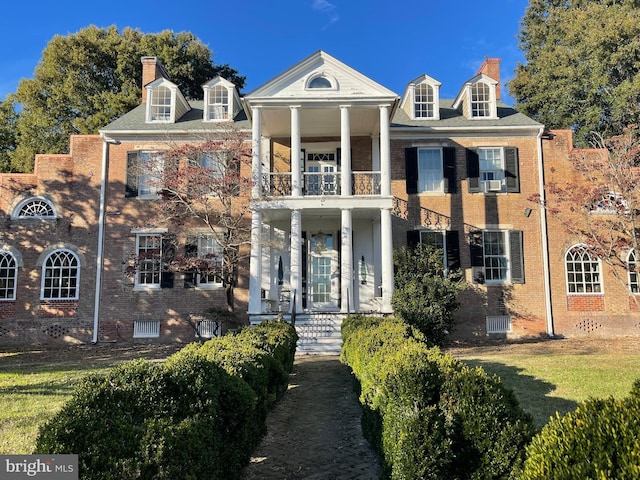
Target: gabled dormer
[[477, 100], [421, 100], [165, 102], [221, 100]]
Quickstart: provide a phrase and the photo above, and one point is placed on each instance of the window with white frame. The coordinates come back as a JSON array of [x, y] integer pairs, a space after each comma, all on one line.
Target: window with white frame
[[60, 275], [34, 207], [430, 171], [149, 260], [145, 173], [610, 203], [218, 103], [491, 168], [209, 265], [497, 256], [437, 240], [8, 276], [480, 100], [632, 271], [214, 162], [583, 270], [160, 104], [424, 101]]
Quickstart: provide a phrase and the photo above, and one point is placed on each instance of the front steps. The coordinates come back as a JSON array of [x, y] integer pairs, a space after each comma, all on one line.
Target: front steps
[[318, 333]]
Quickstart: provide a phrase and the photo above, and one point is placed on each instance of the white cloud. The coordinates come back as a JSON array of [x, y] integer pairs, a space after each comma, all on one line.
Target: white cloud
[[328, 8]]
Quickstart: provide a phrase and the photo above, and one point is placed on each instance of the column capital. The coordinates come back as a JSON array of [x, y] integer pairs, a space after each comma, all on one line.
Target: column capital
[[345, 106]]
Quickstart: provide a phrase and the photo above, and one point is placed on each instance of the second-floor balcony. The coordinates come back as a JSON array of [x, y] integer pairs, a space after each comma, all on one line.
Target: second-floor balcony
[[320, 183]]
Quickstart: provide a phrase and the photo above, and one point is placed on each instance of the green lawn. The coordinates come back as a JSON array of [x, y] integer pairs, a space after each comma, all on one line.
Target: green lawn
[[35, 384], [547, 380]]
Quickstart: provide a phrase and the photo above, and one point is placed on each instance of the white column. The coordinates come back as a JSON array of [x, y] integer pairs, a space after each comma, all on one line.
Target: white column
[[256, 152], [296, 175], [255, 263], [386, 258], [345, 148], [385, 152], [346, 267], [296, 258]]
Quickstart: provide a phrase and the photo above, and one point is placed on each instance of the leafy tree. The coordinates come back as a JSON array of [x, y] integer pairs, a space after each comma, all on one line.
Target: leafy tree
[[208, 186], [8, 138], [582, 66], [424, 296], [601, 206], [88, 79]]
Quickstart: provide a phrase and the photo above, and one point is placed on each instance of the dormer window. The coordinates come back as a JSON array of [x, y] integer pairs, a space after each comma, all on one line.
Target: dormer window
[[165, 102], [161, 104], [423, 101], [480, 100], [218, 105], [221, 100]]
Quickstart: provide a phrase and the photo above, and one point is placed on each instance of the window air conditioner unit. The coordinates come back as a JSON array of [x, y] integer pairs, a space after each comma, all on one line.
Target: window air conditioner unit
[[493, 185]]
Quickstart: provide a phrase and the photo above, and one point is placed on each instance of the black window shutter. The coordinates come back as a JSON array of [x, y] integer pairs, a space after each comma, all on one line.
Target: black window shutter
[[473, 170], [190, 251], [476, 248], [131, 187], [338, 157], [411, 169], [449, 163], [511, 171], [453, 250], [413, 238], [517, 256], [168, 254]]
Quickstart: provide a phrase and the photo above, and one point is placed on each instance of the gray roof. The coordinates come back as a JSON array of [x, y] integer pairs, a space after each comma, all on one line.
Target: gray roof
[[135, 121], [453, 118]]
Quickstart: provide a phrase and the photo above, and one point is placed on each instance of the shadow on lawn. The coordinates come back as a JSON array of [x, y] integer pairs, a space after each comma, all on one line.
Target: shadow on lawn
[[532, 393]]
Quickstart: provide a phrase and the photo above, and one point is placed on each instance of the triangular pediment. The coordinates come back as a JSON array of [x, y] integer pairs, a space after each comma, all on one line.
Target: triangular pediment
[[320, 76]]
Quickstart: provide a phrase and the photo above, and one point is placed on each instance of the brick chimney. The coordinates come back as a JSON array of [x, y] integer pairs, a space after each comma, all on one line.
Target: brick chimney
[[151, 69], [491, 68]]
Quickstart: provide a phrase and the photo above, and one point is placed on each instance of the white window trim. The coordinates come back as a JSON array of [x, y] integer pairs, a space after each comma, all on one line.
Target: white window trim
[[436, 101], [330, 78], [629, 254], [172, 105], [15, 215], [209, 92], [443, 233], [566, 273], [485, 186], [493, 105], [157, 154], [42, 274], [15, 274], [208, 285], [440, 190], [506, 255], [136, 283]]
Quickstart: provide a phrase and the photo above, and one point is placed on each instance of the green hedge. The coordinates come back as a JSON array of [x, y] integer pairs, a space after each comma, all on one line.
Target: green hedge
[[428, 415], [199, 415], [599, 440]]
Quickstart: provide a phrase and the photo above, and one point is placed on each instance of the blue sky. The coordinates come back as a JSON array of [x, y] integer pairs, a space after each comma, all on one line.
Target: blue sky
[[391, 42]]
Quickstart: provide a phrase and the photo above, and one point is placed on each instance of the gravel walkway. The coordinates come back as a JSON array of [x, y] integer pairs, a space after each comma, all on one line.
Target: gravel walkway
[[314, 431]]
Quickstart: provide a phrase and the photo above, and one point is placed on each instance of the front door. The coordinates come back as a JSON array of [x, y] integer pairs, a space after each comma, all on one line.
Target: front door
[[324, 273]]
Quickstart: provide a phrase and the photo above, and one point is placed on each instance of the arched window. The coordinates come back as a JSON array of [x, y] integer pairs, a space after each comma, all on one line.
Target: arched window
[[480, 100], [583, 271], [34, 207], [320, 82], [423, 101], [60, 276], [161, 104], [218, 103], [632, 271], [8, 276]]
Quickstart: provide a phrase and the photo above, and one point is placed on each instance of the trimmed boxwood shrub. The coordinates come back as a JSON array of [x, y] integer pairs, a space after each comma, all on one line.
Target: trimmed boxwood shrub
[[428, 415], [199, 415], [600, 439]]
